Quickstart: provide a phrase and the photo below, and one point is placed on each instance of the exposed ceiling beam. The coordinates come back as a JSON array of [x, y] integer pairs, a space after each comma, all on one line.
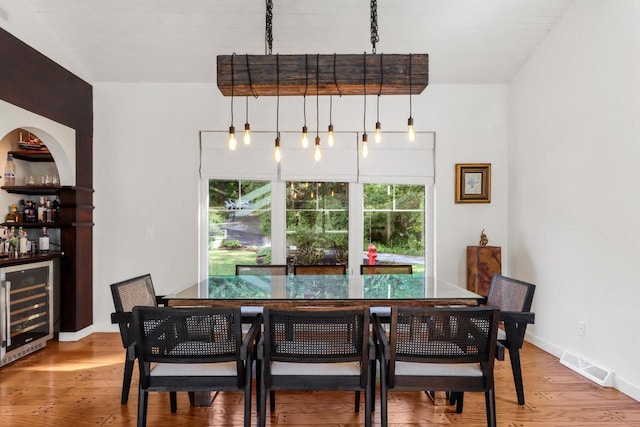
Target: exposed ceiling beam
[[387, 74]]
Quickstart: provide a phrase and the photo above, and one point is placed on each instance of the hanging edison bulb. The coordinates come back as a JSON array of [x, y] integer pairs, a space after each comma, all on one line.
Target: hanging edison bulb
[[316, 152], [411, 133], [305, 137], [377, 137], [365, 145], [277, 154], [233, 143], [246, 138], [330, 138]]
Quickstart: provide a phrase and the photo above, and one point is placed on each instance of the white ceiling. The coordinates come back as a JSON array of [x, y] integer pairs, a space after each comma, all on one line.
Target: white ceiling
[[468, 41]]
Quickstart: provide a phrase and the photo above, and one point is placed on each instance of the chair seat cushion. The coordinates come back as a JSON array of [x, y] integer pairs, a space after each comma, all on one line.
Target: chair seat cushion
[[221, 369], [338, 368], [438, 369]]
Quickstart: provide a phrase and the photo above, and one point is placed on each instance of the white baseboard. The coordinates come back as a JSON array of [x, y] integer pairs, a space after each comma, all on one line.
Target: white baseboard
[[620, 384], [631, 390], [76, 336]]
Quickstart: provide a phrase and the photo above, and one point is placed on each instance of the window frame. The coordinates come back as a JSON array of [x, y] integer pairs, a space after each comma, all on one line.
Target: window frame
[[356, 208]]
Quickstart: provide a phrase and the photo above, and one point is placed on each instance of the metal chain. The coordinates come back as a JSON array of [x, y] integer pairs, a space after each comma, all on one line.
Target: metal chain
[[268, 37], [374, 25]]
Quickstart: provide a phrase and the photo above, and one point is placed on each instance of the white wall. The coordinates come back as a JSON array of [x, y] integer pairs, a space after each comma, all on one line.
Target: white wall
[[146, 170], [573, 205], [17, 18]]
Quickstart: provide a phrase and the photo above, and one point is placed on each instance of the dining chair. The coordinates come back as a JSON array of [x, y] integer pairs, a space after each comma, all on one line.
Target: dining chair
[[513, 298], [386, 269], [320, 269], [137, 291], [317, 349], [438, 348], [193, 349], [261, 270]]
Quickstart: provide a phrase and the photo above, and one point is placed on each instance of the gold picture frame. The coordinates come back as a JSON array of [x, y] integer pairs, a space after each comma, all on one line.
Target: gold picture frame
[[473, 183]]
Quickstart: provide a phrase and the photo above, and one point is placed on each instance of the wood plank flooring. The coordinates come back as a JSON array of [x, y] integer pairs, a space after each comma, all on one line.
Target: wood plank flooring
[[79, 383]]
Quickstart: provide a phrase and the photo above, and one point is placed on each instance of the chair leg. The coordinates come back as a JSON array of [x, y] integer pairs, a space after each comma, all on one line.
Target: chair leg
[[173, 401], [247, 403], [367, 406], [514, 354], [383, 404], [356, 407], [142, 407], [130, 358], [459, 401], [262, 406], [272, 401], [490, 401], [373, 386]]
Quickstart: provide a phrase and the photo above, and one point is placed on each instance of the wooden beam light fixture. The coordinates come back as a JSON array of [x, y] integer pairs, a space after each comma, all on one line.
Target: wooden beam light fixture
[[335, 74]]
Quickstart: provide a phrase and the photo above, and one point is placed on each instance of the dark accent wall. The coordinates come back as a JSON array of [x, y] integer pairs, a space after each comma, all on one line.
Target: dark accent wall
[[30, 80]]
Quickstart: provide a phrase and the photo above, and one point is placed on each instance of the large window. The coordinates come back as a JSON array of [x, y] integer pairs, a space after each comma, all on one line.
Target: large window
[[317, 222], [300, 211], [239, 229], [394, 223]]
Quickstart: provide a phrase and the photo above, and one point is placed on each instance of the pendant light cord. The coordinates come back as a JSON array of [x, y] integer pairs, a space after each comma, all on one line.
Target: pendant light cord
[[277, 95], [380, 89], [317, 93], [253, 92], [233, 83], [410, 88], [306, 85], [364, 86]]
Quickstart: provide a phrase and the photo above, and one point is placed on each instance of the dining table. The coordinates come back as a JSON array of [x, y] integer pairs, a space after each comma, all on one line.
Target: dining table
[[378, 292]]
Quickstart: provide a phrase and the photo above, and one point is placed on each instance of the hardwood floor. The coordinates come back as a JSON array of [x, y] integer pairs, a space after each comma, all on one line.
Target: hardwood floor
[[79, 383]]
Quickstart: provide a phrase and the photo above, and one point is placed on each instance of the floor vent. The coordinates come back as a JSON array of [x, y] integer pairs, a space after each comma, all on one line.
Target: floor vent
[[600, 376]]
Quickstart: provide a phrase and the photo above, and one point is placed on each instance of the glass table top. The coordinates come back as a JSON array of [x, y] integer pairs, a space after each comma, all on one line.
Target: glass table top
[[324, 287]]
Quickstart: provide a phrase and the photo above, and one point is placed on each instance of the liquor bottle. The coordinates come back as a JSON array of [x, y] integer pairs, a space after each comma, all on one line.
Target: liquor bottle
[[48, 213], [12, 216], [30, 212], [22, 241], [55, 207], [21, 207], [41, 210], [12, 242], [10, 171], [43, 241]]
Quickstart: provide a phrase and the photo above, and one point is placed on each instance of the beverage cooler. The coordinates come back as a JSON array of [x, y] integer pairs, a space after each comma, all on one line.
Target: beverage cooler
[[26, 309]]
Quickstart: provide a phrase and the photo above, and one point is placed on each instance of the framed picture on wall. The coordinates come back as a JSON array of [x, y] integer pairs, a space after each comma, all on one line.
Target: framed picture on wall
[[473, 183]]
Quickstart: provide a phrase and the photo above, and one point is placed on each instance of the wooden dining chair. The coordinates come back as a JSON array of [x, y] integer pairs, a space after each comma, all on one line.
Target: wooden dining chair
[[193, 349], [127, 294], [320, 269], [435, 348], [513, 298], [386, 269], [316, 349], [261, 270]]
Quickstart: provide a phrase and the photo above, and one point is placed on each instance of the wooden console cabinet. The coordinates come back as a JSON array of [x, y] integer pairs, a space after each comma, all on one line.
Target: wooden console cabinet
[[482, 263]]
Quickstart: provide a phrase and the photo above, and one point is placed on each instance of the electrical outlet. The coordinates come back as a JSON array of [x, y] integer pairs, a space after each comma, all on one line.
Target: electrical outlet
[[580, 329], [150, 231]]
